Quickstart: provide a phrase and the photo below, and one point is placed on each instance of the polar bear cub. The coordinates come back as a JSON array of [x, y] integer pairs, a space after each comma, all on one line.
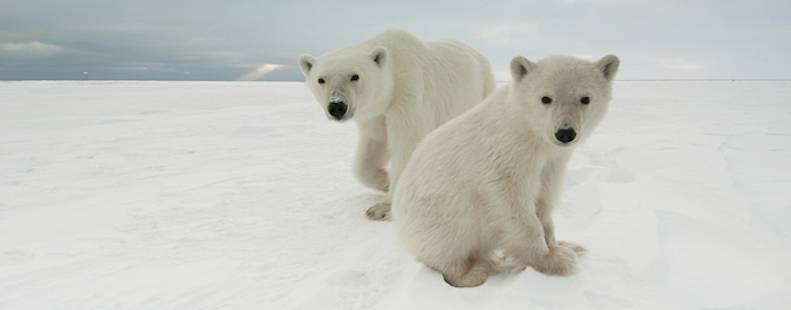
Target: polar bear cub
[[486, 182], [397, 89]]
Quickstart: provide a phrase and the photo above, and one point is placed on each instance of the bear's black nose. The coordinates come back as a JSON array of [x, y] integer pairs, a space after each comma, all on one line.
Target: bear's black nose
[[337, 109], [565, 135]]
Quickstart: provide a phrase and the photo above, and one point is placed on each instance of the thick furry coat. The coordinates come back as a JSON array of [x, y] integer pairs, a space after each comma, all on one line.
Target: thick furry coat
[[398, 89], [486, 182]]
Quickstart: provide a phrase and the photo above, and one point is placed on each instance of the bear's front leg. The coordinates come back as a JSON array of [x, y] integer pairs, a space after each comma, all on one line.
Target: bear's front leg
[[372, 155], [529, 246], [403, 139], [552, 183], [381, 211], [369, 163]]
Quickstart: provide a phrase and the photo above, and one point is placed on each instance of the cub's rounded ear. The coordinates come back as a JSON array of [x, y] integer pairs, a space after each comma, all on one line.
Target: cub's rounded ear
[[609, 66], [306, 63], [379, 56], [520, 67]]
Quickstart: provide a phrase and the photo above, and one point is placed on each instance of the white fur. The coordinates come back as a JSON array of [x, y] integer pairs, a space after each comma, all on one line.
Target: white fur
[[486, 181], [407, 88]]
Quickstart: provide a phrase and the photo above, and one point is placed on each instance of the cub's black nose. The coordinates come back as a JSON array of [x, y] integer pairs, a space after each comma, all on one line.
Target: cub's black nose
[[565, 135], [337, 109]]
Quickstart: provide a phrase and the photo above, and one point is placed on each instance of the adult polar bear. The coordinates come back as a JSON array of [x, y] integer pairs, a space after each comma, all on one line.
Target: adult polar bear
[[397, 89]]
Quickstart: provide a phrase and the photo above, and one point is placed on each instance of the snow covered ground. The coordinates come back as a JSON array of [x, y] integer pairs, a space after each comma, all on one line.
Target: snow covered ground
[[223, 195]]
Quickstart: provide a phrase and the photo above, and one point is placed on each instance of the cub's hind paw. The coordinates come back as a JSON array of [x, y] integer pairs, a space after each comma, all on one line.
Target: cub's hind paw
[[560, 261], [580, 250]]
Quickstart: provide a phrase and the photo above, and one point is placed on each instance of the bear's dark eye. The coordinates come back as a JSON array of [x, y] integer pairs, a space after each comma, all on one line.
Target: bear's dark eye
[[585, 100], [321, 81], [546, 100], [355, 77]]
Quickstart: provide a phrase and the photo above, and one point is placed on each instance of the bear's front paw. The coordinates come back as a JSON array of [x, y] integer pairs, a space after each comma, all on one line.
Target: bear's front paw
[[379, 212], [560, 261], [377, 179]]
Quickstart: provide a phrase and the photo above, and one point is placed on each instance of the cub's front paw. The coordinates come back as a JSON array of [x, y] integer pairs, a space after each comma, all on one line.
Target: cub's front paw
[[560, 261], [379, 212]]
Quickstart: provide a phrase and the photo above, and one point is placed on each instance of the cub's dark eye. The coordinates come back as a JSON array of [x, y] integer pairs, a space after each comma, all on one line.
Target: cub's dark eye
[[546, 100], [355, 77], [585, 100], [321, 81]]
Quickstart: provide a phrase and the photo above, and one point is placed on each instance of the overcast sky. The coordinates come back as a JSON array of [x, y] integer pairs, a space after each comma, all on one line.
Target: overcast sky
[[232, 40]]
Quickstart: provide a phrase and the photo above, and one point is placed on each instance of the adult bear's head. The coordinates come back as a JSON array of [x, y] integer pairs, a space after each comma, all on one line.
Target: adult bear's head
[[349, 83]]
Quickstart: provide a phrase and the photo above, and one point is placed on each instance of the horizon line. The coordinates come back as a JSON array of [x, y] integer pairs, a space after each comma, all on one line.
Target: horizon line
[[301, 81]]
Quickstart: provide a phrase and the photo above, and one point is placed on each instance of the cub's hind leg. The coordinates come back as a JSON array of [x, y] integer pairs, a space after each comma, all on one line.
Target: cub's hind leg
[[470, 272]]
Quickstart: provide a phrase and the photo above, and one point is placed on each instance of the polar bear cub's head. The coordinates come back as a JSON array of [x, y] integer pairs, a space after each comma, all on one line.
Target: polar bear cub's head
[[561, 97], [349, 82]]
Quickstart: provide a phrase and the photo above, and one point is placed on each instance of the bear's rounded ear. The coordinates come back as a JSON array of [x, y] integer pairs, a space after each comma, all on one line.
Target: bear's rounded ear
[[306, 63], [379, 56], [520, 67], [609, 66]]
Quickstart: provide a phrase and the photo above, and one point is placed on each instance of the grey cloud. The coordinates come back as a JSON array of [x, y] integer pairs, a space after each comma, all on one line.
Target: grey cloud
[[212, 40]]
